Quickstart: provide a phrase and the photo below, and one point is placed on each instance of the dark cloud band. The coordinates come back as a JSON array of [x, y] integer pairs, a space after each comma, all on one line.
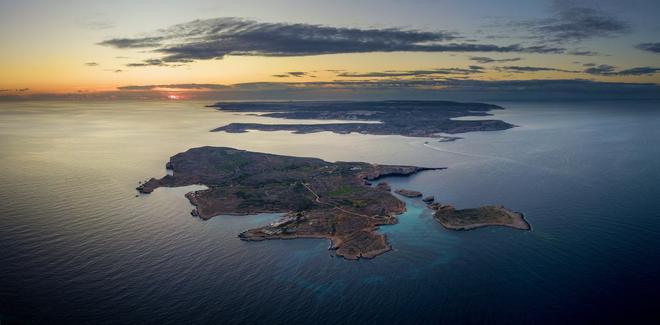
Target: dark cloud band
[[523, 69], [215, 38], [485, 59], [570, 22], [608, 70], [650, 47], [573, 87], [176, 86], [413, 73]]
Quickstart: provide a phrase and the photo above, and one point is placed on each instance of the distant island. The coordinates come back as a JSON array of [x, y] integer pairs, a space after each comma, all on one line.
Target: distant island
[[319, 199], [406, 118]]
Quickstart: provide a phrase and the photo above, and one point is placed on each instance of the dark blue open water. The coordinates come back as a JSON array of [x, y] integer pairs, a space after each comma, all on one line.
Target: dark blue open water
[[77, 246]]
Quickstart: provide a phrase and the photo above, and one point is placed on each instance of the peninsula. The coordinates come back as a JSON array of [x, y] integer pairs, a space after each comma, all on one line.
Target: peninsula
[[319, 199], [406, 118]]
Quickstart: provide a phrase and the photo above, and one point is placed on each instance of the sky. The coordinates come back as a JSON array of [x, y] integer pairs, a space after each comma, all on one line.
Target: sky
[[292, 49]]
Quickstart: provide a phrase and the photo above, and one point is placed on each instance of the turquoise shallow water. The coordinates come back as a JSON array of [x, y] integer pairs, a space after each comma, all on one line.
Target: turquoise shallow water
[[76, 245]]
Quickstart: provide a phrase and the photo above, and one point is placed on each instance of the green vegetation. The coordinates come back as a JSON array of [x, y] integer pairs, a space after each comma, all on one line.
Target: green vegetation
[[343, 190]]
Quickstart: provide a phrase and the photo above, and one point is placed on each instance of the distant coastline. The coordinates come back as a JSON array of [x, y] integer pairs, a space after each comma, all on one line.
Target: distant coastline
[[406, 118]]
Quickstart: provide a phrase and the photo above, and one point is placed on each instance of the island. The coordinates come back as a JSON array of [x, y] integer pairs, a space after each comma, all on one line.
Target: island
[[318, 199], [468, 219], [408, 193], [405, 118]]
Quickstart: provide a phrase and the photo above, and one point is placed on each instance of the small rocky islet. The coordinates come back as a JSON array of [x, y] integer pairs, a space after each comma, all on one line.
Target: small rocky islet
[[319, 199], [408, 193]]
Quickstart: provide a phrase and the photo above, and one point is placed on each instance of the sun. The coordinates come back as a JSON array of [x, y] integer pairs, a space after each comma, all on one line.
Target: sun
[[173, 97]]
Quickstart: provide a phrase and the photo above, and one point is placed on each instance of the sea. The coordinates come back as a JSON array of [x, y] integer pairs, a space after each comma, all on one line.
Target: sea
[[78, 245]]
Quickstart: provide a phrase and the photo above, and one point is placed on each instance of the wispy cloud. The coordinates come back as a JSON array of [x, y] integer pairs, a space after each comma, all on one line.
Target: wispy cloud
[[94, 22], [176, 86], [650, 47], [485, 59], [583, 53], [413, 73], [603, 70], [297, 74], [608, 70], [91, 64], [572, 21], [523, 69], [132, 43], [215, 38], [146, 63], [639, 71]]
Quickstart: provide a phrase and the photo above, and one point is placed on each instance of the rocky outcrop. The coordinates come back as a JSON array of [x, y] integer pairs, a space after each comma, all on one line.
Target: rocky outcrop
[[408, 193], [384, 186]]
